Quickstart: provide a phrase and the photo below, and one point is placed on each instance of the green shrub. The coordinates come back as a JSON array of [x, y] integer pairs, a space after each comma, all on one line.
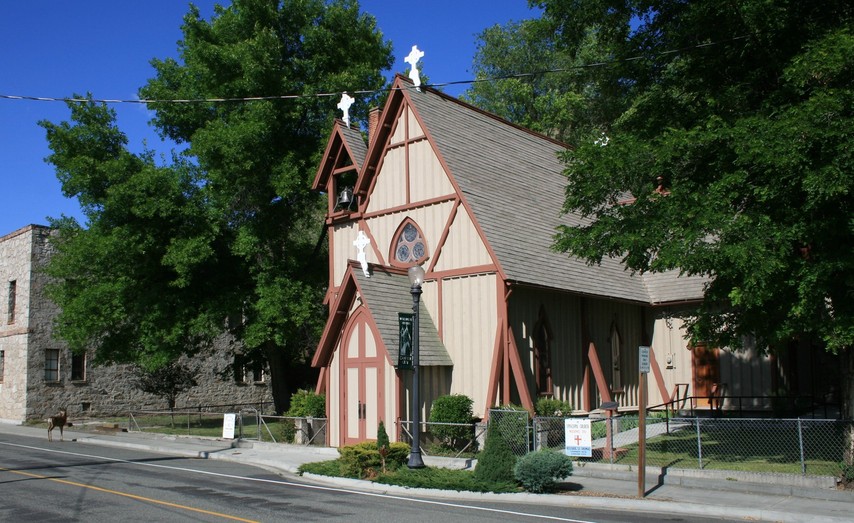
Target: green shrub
[[363, 460], [382, 436], [495, 464], [552, 407], [444, 479], [537, 471], [453, 408], [307, 404]]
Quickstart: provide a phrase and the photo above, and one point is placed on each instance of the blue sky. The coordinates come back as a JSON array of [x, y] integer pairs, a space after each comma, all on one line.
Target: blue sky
[[57, 48]]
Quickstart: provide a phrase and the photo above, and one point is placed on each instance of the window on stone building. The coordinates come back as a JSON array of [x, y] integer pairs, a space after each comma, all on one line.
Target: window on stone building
[[239, 368], [258, 372], [13, 291], [78, 366], [2, 364], [51, 365]]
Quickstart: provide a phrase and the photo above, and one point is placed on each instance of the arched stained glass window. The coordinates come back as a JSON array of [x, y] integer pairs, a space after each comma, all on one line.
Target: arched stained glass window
[[408, 246]]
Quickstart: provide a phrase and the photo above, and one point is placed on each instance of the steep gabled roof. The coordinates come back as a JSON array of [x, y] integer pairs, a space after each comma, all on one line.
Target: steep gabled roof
[[385, 294], [342, 141], [512, 180]]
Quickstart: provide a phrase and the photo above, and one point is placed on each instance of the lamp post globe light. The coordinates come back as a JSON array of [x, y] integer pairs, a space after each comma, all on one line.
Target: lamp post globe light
[[416, 277]]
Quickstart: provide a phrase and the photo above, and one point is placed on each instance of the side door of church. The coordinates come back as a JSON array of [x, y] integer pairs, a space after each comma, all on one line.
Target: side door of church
[[362, 381]]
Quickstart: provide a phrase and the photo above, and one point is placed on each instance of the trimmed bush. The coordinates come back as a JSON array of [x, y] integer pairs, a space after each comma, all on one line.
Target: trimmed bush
[[363, 460], [495, 464], [537, 471], [453, 408], [552, 408], [307, 404]]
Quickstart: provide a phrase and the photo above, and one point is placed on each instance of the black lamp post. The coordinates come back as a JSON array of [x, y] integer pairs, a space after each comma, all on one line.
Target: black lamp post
[[416, 277]]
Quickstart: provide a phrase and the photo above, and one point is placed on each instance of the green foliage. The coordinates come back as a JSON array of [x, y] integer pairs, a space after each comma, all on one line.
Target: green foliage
[[167, 381], [453, 408], [382, 437], [229, 227], [750, 144], [495, 463], [364, 460], [307, 404], [552, 407], [537, 471], [444, 479]]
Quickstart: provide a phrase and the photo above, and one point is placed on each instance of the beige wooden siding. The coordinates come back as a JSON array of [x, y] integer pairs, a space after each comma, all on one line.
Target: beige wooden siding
[[343, 250], [673, 356], [427, 179], [334, 398], [469, 327], [431, 219], [414, 129], [602, 315], [391, 394], [390, 185], [747, 372], [399, 134], [563, 313], [463, 247]]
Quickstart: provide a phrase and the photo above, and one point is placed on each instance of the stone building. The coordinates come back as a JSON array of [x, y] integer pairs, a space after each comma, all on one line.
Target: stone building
[[39, 374]]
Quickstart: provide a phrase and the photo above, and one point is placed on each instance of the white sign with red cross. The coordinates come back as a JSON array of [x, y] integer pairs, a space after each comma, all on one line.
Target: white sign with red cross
[[578, 440]]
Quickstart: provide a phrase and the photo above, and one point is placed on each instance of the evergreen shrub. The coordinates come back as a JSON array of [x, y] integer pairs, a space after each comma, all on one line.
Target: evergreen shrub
[[552, 408], [537, 471], [453, 408], [495, 463], [363, 460]]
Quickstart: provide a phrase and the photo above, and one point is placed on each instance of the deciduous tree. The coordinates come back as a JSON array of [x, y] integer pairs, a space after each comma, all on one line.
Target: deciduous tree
[[227, 235]]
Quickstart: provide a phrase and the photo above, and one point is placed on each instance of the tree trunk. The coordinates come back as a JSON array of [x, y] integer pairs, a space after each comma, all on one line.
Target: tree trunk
[[279, 383], [847, 357]]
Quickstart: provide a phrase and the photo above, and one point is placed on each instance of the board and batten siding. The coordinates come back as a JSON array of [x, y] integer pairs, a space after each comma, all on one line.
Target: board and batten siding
[[469, 327]]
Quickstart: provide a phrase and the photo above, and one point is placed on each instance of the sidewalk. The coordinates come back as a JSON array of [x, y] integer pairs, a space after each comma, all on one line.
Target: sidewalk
[[601, 486]]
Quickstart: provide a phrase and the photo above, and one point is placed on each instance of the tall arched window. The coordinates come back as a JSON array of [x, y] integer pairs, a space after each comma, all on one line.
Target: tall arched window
[[616, 357], [543, 354], [408, 246]]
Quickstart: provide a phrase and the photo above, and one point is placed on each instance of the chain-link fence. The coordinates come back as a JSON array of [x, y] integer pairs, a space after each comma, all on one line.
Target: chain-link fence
[[755, 445], [455, 440]]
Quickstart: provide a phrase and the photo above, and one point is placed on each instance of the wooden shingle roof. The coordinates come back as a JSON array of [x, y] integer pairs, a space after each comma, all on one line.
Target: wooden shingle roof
[[386, 294], [512, 180]]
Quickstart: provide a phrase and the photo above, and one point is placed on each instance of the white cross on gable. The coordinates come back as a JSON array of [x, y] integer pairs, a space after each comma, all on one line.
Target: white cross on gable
[[412, 59], [361, 242], [344, 105]]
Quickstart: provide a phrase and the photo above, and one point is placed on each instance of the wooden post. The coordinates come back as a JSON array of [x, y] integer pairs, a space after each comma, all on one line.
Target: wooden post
[[643, 369]]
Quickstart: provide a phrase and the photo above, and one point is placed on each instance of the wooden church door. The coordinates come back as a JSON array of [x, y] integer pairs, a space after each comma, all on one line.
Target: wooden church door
[[706, 372], [362, 382]]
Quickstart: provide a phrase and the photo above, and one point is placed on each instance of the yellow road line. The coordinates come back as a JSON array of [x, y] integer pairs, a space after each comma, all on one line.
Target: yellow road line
[[131, 496]]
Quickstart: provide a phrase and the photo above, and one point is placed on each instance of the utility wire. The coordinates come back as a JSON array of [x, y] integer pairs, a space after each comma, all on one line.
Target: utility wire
[[145, 101]]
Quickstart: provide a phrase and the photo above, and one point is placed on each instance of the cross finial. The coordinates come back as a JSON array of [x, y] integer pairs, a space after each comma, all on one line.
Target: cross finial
[[412, 59], [344, 105]]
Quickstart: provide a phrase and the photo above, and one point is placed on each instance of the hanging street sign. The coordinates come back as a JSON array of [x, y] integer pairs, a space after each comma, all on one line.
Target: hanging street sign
[[405, 322]]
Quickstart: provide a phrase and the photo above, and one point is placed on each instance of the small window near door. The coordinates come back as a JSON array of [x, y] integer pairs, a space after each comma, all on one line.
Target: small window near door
[[78, 366], [2, 364], [51, 365]]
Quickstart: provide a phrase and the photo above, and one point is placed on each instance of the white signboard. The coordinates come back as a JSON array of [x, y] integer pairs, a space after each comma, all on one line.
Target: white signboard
[[643, 359], [578, 441], [228, 425]]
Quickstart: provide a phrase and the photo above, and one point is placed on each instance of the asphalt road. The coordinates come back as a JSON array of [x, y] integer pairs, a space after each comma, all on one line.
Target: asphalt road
[[45, 482]]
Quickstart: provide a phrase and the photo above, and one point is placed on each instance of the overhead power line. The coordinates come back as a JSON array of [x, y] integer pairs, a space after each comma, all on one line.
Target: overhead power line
[[145, 101]]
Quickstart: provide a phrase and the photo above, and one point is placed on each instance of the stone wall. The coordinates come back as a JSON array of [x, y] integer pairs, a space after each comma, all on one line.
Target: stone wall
[[105, 390]]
